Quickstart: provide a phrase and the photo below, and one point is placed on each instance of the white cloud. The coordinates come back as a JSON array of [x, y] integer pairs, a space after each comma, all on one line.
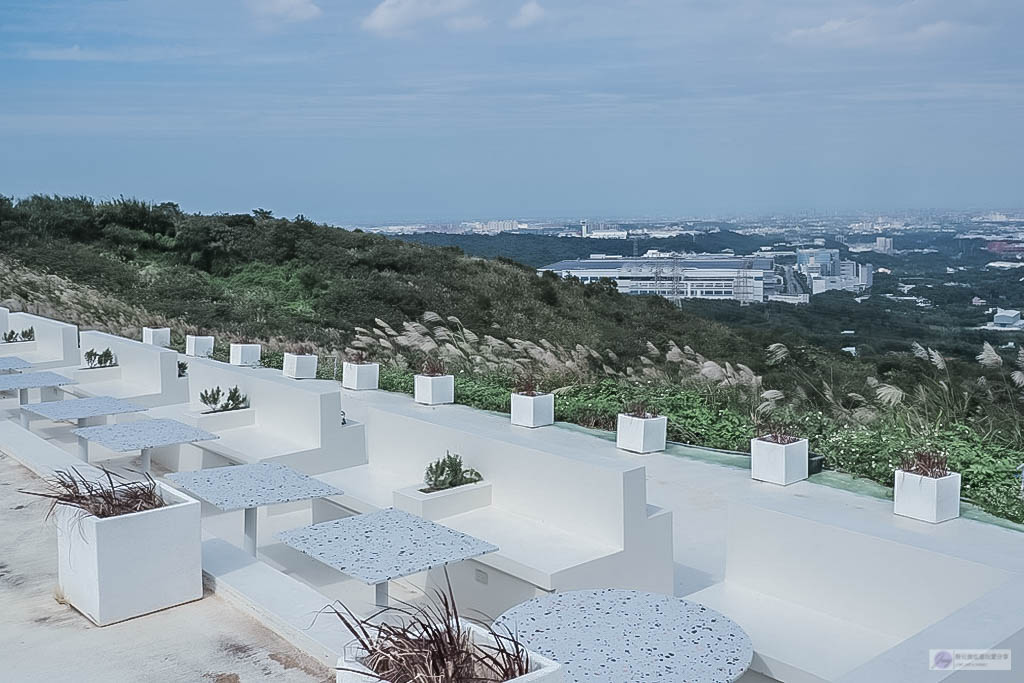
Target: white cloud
[[395, 16], [903, 25], [286, 10], [528, 15]]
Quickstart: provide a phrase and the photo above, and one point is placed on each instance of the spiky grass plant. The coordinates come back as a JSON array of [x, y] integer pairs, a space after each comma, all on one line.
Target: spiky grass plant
[[433, 366], [429, 643], [102, 497], [926, 463], [639, 409]]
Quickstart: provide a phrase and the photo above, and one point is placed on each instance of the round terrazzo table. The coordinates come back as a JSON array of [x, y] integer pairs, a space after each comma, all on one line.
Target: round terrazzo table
[[619, 636]]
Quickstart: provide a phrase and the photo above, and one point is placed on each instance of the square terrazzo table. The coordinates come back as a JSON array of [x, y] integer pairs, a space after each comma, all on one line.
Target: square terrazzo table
[[83, 411], [10, 364], [248, 487], [380, 546], [32, 380], [144, 436]]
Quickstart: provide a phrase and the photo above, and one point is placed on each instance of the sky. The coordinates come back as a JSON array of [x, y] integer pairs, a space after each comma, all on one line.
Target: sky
[[354, 111]]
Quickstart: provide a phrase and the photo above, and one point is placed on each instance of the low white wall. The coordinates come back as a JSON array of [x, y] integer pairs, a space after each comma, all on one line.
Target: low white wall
[[56, 343], [146, 370]]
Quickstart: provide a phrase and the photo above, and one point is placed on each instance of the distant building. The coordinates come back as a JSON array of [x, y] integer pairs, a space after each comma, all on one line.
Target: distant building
[[851, 277], [883, 245], [978, 301], [679, 276], [1006, 318], [817, 261]]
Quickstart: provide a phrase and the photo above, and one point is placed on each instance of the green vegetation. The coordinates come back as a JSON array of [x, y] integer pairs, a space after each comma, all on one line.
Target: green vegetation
[[235, 400], [447, 473], [292, 284]]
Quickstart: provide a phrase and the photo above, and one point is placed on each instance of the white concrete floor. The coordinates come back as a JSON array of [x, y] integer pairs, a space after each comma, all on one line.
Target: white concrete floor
[[43, 640]]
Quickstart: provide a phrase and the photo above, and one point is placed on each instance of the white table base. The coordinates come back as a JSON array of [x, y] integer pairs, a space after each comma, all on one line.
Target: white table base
[[383, 599], [250, 531]]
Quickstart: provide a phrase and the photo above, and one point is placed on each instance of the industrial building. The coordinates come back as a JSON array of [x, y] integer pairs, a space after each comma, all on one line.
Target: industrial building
[[679, 276]]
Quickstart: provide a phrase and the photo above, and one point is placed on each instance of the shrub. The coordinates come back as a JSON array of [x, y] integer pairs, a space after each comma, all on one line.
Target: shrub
[[211, 398], [101, 498], [447, 473], [235, 399], [433, 367], [105, 359], [182, 369]]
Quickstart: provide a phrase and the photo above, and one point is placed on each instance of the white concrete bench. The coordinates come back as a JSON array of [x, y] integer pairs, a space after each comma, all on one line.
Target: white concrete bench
[[564, 515], [37, 454], [820, 600], [144, 374], [55, 344]]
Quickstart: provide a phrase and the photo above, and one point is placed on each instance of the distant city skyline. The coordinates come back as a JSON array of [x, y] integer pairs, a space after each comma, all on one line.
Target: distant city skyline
[[371, 111]]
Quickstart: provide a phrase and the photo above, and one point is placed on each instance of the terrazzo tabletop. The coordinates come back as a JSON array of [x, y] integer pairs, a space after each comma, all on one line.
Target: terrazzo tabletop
[[619, 636], [81, 408], [238, 487], [13, 363], [34, 380], [134, 436], [384, 545]]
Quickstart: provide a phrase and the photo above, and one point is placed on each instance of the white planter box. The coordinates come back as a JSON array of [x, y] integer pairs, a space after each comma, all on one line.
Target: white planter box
[[4, 320], [641, 435], [17, 348], [441, 504], [778, 463], [360, 376], [300, 367], [86, 375], [215, 422], [198, 347], [246, 354], [157, 336], [432, 391], [544, 670], [122, 567], [925, 498], [533, 411]]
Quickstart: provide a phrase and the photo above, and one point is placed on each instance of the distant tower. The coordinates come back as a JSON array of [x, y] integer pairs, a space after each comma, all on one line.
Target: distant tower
[[584, 230]]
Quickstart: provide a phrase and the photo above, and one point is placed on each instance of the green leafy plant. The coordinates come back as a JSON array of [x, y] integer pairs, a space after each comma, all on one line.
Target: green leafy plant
[[448, 472], [211, 398], [182, 369], [104, 359], [236, 400], [10, 337], [29, 334]]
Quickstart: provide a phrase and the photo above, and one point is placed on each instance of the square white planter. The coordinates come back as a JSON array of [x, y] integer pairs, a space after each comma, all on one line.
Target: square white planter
[[86, 375], [433, 391], [198, 347], [360, 376], [543, 670], [300, 367], [441, 504], [640, 434], [778, 463], [925, 498], [4, 320], [533, 411], [157, 336], [246, 354], [200, 418], [117, 568]]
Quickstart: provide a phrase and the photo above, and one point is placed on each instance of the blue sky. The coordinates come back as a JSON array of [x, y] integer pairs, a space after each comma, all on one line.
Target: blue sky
[[366, 110]]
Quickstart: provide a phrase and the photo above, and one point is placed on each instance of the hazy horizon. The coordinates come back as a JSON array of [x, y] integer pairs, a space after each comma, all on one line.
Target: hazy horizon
[[415, 110]]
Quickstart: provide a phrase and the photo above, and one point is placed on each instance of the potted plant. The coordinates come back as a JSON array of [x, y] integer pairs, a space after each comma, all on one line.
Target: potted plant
[[182, 369], [223, 410], [103, 359], [433, 642], [433, 386], [199, 347], [12, 336], [640, 429], [778, 458], [235, 400], [124, 548], [358, 373], [300, 365], [246, 354], [925, 489], [449, 488], [530, 406], [99, 366], [157, 336]]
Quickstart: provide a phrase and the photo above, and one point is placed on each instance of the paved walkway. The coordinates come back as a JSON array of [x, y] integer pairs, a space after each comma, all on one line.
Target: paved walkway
[[43, 640]]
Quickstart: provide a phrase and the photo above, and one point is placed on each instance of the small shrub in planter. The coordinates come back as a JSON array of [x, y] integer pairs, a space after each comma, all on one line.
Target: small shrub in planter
[[104, 359], [434, 387], [235, 400], [640, 430], [432, 642], [182, 369], [925, 489], [778, 458], [358, 373], [530, 406], [12, 336], [125, 548], [447, 473]]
